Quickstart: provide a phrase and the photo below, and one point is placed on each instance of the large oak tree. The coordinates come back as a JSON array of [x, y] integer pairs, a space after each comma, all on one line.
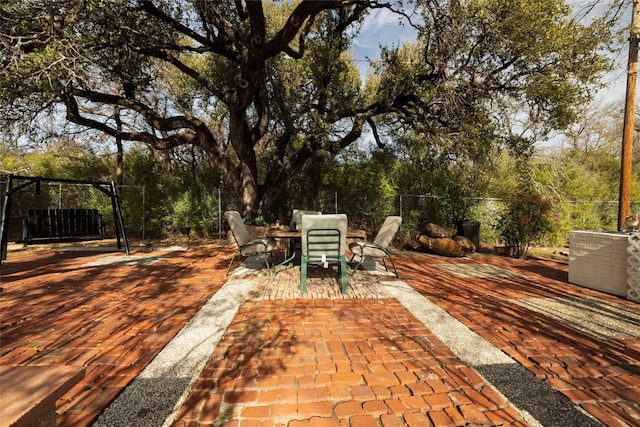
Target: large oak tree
[[261, 87]]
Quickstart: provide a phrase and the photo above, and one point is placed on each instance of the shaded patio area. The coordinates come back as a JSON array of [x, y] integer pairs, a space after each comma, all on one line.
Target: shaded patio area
[[387, 353]]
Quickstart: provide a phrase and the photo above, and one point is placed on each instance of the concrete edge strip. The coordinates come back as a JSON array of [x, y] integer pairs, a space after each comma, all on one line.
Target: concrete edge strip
[[536, 402], [157, 393]]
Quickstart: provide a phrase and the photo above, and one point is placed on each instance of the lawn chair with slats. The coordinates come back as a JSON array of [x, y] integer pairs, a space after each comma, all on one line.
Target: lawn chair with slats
[[324, 241]]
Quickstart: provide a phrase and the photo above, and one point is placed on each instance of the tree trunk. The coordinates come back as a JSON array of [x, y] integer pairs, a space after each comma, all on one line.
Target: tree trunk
[[248, 191], [246, 184], [120, 153]]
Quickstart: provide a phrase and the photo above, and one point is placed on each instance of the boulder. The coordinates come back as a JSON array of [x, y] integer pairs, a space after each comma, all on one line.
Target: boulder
[[442, 246], [438, 232], [467, 245]]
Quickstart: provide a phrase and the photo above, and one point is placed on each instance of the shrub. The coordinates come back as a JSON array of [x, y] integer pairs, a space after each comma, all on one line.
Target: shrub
[[525, 220], [257, 221]]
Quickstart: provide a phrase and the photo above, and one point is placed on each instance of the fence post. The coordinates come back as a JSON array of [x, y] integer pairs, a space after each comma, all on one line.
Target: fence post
[[4, 220]]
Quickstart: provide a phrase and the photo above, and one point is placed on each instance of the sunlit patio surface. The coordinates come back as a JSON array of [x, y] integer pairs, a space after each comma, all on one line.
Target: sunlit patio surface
[[166, 338]]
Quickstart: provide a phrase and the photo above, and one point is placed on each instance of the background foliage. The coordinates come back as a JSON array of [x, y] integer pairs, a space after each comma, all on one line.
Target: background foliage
[[260, 90], [579, 188], [260, 107]]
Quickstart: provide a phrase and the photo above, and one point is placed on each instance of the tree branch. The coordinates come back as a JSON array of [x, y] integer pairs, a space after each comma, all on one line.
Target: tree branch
[[74, 116], [184, 68], [374, 130], [151, 117], [215, 44], [307, 8]]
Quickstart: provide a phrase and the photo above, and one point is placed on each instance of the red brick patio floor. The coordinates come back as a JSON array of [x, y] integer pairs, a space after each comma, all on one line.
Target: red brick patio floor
[[598, 369], [112, 319], [317, 361]]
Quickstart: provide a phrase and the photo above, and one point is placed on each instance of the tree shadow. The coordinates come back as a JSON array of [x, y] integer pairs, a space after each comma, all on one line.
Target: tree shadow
[[489, 307], [112, 319]]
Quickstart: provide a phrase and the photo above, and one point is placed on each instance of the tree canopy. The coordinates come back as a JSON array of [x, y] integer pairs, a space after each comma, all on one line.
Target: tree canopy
[[263, 87]]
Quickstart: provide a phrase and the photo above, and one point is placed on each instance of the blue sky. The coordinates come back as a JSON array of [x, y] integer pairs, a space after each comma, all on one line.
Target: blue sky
[[384, 26], [381, 27]]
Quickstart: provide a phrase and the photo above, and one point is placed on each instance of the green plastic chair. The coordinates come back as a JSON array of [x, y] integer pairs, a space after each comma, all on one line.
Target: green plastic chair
[[324, 242], [379, 248], [246, 246]]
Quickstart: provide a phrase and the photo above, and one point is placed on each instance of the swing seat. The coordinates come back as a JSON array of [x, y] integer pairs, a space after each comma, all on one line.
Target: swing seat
[[54, 225]]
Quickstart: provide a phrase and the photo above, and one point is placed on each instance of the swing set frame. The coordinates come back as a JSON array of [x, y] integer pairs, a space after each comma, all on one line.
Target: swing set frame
[[22, 182]]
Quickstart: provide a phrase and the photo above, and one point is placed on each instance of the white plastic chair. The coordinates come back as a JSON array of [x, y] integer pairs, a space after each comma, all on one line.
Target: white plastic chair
[[246, 246], [379, 248]]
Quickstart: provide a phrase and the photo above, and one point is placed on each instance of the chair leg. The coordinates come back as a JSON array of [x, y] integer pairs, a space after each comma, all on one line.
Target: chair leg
[[354, 269], [231, 263], [394, 266], [266, 262], [303, 274], [343, 273]]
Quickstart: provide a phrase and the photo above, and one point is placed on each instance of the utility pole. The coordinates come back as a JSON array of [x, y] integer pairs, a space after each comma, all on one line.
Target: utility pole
[[624, 202]]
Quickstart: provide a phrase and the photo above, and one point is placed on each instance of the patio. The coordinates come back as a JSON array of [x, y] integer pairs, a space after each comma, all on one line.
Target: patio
[[166, 338]]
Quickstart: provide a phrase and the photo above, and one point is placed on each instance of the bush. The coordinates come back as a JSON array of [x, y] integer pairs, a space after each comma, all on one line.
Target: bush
[[258, 221], [524, 221]]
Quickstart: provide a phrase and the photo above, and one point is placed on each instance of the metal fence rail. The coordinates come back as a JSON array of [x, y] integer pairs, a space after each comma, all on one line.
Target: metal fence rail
[[364, 212]]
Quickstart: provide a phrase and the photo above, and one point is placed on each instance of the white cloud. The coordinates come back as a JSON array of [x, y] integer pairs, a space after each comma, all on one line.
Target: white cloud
[[381, 27], [379, 18]]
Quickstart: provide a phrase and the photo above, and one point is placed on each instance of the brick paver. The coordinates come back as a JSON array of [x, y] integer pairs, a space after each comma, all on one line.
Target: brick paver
[[112, 319], [374, 348], [323, 359], [600, 375]]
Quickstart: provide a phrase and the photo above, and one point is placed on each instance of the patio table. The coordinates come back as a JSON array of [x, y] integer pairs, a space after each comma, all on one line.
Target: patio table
[[295, 240]]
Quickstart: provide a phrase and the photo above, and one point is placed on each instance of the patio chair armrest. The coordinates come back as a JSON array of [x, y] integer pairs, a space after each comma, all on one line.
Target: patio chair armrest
[[365, 244], [362, 246], [258, 246], [254, 243]]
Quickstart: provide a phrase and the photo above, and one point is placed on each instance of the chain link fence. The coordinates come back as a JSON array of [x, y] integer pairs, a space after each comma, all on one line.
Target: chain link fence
[[142, 218], [419, 210]]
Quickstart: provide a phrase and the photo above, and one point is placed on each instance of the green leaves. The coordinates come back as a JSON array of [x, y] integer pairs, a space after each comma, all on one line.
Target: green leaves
[[264, 87], [476, 54], [525, 220]]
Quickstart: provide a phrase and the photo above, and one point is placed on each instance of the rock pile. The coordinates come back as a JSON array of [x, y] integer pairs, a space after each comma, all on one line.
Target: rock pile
[[444, 241]]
